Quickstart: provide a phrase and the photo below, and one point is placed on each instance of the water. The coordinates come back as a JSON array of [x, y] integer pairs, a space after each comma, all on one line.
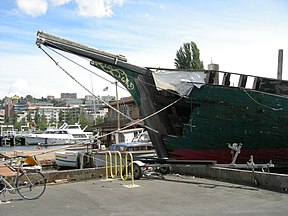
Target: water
[[31, 148]]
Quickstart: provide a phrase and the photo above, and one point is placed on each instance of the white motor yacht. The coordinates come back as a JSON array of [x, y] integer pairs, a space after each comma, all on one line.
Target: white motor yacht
[[66, 134]]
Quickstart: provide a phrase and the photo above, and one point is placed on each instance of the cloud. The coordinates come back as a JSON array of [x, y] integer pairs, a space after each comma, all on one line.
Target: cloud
[[19, 87], [85, 8], [97, 8], [33, 8], [59, 2]]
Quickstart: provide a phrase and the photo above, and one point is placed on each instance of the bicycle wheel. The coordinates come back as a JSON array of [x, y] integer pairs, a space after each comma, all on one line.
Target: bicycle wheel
[[31, 185]]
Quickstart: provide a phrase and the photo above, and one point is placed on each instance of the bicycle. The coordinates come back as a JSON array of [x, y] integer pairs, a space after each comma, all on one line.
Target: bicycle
[[29, 182]]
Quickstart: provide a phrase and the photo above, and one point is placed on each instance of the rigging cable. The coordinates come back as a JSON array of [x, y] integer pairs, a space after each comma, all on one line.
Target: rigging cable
[[272, 108], [170, 91], [85, 68], [138, 121], [107, 104]]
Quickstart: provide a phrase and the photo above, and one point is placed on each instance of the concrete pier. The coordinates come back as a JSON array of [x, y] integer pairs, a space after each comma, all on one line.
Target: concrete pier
[[265, 180], [174, 195]]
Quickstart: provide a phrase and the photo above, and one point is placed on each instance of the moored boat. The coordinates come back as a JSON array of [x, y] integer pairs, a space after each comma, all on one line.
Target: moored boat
[[67, 159], [193, 116], [71, 156], [66, 134]]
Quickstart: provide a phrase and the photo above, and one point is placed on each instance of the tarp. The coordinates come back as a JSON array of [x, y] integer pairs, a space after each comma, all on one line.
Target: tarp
[[179, 81]]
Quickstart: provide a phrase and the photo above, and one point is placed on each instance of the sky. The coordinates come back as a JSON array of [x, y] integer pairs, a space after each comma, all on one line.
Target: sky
[[242, 36]]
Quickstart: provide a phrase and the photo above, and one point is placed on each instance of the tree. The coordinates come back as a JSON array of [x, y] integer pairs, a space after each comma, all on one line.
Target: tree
[[99, 120], [61, 117], [29, 98], [52, 122], [188, 57], [43, 122], [20, 123], [37, 117], [69, 118], [14, 119], [84, 121]]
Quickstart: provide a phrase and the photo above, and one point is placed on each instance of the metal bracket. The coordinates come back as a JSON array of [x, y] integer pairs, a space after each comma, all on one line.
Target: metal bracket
[[252, 165], [236, 148]]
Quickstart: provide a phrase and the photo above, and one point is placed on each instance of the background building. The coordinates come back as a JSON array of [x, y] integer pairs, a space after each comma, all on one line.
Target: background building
[[68, 96], [51, 112]]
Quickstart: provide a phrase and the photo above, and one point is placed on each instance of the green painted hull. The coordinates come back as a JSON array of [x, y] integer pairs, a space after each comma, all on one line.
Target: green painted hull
[[232, 115], [219, 115]]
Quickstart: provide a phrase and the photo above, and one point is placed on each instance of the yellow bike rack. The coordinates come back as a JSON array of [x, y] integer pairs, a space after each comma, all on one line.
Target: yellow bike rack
[[117, 154]]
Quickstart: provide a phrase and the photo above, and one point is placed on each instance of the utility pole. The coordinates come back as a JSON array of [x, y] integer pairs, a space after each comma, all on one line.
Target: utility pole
[[280, 64], [118, 115]]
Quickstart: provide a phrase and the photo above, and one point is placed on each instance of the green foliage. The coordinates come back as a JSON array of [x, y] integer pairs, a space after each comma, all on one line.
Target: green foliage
[[69, 118], [37, 117], [20, 123], [83, 120], [61, 117], [42, 124], [29, 98], [29, 118], [188, 57], [99, 120], [14, 119], [6, 120], [52, 122]]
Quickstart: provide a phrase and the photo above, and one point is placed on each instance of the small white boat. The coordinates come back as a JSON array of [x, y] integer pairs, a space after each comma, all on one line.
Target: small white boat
[[66, 134], [67, 159], [70, 157]]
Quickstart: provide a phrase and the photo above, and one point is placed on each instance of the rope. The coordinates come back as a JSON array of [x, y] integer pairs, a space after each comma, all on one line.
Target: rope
[[170, 91], [127, 126], [107, 104], [85, 68], [272, 108]]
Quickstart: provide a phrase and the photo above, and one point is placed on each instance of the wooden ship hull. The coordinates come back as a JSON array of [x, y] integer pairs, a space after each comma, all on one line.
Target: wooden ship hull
[[200, 123]]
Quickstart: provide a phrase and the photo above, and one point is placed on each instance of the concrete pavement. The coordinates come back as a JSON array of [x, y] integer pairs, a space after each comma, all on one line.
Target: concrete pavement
[[176, 195]]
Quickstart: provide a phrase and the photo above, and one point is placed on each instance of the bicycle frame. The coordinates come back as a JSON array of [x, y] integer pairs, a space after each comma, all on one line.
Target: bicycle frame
[[18, 169], [8, 186], [23, 178]]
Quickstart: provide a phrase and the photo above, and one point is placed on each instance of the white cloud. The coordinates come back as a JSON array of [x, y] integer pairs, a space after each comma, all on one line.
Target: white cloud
[[59, 2], [33, 8], [97, 8], [86, 8], [19, 87]]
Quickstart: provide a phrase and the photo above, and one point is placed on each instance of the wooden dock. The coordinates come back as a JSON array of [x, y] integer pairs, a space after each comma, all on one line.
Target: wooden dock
[[44, 158]]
